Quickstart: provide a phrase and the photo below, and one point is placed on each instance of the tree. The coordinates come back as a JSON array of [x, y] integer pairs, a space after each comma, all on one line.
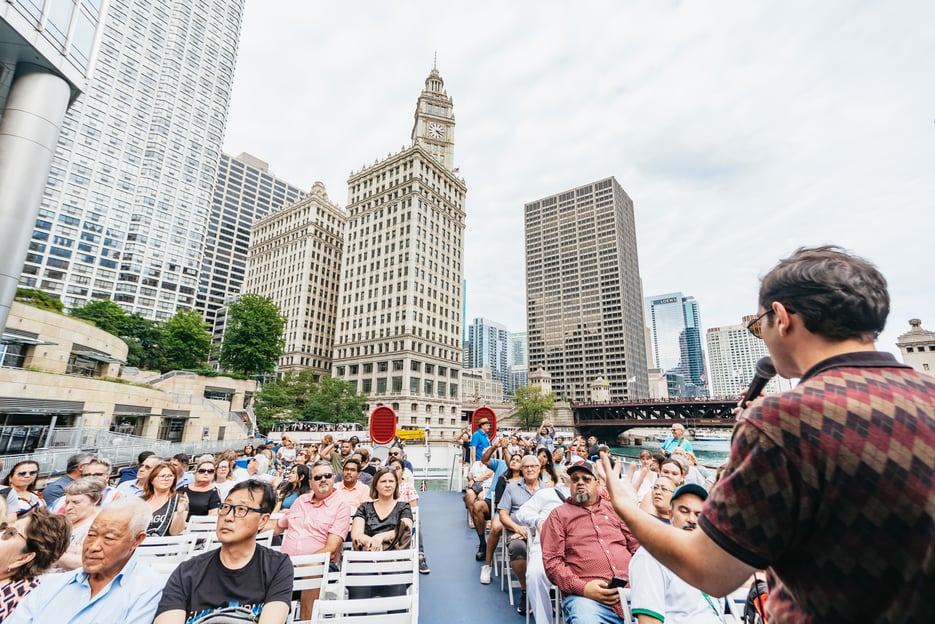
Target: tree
[[297, 396], [186, 341], [105, 314], [532, 405], [253, 339], [39, 299], [144, 339]]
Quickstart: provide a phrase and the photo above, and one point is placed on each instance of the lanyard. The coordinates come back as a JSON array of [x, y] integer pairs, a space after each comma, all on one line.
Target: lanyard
[[711, 604]]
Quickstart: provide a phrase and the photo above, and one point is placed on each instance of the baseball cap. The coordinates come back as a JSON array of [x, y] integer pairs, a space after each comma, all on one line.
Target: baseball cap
[[690, 488], [583, 465]]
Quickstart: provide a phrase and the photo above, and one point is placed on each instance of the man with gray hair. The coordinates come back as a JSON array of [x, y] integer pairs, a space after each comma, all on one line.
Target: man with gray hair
[[111, 585], [74, 468]]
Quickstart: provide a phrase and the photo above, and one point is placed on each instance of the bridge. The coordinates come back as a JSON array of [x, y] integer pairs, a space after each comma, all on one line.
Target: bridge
[[608, 420]]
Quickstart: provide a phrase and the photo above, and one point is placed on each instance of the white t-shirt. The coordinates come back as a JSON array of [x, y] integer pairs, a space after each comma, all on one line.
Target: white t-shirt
[[657, 592]]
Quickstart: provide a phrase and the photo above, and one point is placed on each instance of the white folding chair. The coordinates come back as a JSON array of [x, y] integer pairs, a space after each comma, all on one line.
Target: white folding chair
[[624, 593], [265, 538], [199, 525], [391, 610], [164, 554], [309, 572], [362, 568]]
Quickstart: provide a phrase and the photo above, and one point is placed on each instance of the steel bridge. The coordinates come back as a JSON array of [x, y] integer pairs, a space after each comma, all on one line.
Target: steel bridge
[[608, 420]]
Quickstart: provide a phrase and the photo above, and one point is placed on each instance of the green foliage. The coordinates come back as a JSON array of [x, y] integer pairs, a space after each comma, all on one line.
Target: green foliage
[[185, 341], [253, 339], [105, 314], [532, 405], [299, 397], [39, 299]]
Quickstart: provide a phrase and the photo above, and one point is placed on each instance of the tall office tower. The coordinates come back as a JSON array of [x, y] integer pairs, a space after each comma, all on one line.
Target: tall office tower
[[245, 191], [583, 295], [733, 352], [126, 205], [519, 371], [295, 259], [399, 330], [46, 55], [489, 347], [675, 323]]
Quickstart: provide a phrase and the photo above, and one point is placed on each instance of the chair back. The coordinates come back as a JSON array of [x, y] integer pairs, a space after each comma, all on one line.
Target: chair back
[[362, 568], [391, 610], [310, 571], [163, 554], [202, 524]]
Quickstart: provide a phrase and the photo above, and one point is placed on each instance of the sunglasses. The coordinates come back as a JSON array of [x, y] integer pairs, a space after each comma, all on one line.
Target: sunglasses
[[393, 454], [206, 471], [8, 531], [327, 475], [24, 473], [755, 327]]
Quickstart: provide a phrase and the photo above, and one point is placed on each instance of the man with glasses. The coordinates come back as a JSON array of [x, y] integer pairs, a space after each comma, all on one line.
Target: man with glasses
[[135, 488], [240, 581], [397, 451], [515, 496], [351, 490], [584, 546], [74, 468], [676, 439], [100, 468], [829, 484]]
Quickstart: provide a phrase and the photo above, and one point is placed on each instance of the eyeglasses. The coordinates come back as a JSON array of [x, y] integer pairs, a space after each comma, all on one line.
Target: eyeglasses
[[9, 530], [165, 476], [326, 475], [205, 471], [23, 473], [755, 327], [393, 453], [240, 511], [659, 488]]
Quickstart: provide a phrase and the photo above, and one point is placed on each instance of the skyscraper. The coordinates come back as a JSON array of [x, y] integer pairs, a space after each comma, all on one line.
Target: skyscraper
[[583, 295], [733, 353], [400, 326], [675, 323], [126, 205], [519, 371], [489, 347], [295, 260], [244, 192]]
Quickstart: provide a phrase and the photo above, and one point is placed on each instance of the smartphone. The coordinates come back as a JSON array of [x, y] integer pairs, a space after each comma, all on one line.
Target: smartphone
[[617, 582]]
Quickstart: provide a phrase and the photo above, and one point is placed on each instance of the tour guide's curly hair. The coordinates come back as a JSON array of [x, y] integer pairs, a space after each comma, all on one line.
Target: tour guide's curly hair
[[839, 296]]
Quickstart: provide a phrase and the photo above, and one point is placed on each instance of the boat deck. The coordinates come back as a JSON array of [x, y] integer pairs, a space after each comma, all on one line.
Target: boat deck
[[452, 593]]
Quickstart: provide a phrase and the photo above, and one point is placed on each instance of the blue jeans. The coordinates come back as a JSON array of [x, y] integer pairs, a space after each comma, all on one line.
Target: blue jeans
[[581, 610]]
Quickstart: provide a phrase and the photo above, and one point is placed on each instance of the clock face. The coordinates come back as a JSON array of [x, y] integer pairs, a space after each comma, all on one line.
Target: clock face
[[436, 131]]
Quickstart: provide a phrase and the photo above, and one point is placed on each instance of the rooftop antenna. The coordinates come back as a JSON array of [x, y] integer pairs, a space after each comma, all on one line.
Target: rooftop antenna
[[435, 62]]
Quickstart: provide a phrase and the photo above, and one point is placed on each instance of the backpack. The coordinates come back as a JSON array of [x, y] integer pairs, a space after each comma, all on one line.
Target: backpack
[[754, 609]]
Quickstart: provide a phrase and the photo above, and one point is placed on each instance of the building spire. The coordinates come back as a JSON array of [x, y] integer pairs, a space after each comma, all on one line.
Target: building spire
[[435, 62]]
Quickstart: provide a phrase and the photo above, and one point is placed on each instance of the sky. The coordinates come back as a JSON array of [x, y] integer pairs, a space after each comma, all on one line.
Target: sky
[[741, 130]]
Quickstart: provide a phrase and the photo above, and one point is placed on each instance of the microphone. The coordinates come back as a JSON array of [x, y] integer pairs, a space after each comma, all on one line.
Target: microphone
[[762, 374]]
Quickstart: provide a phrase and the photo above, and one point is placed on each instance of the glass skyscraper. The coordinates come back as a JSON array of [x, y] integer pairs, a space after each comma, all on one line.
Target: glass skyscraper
[[489, 347], [675, 323], [126, 207]]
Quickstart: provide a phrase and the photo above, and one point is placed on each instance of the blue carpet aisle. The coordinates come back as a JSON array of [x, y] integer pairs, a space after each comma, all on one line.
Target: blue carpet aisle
[[452, 592]]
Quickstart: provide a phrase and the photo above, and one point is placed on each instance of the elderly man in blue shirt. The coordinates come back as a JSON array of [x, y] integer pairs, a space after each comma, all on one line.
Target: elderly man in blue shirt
[[111, 586]]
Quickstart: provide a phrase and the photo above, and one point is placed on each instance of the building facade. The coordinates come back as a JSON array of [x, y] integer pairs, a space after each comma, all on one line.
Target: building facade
[[583, 296], [917, 347], [399, 336], [733, 352], [675, 324], [479, 387], [294, 259], [489, 347], [126, 206], [245, 191], [47, 52]]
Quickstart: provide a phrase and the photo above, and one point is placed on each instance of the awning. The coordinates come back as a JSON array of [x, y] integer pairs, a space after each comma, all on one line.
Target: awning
[[15, 339], [98, 357]]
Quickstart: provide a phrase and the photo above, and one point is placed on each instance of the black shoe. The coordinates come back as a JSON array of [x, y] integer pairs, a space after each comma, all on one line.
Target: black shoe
[[481, 553], [521, 609], [423, 566]]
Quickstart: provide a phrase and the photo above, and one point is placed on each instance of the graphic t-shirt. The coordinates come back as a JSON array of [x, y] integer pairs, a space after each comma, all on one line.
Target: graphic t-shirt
[[209, 593]]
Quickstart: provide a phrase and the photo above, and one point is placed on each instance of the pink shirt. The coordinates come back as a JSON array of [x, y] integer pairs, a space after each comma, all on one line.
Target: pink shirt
[[353, 496], [310, 522]]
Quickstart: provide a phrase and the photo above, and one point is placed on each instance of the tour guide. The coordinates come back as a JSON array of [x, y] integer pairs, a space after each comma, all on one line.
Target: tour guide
[[830, 484]]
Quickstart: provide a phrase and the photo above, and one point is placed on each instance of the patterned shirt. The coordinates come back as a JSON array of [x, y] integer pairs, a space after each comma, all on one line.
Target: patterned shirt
[[12, 593], [832, 484], [581, 544]]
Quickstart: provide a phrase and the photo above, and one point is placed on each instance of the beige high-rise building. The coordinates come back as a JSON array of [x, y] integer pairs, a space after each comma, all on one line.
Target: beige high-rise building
[[733, 353], [399, 329], [295, 259], [918, 347], [584, 306]]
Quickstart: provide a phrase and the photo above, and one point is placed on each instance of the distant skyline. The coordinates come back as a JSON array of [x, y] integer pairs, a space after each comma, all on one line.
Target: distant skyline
[[740, 130]]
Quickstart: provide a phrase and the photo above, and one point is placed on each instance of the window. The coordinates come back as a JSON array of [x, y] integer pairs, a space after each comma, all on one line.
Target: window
[[382, 366], [397, 365], [381, 385], [414, 383], [397, 384]]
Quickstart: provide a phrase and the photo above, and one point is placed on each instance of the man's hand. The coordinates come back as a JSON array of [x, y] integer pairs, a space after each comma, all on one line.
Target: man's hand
[[621, 491], [520, 533], [598, 590]]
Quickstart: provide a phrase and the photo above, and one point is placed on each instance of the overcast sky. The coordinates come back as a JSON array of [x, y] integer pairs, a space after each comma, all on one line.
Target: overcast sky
[[741, 130]]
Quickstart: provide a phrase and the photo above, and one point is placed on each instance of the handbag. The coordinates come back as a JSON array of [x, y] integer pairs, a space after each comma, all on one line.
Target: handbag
[[402, 540]]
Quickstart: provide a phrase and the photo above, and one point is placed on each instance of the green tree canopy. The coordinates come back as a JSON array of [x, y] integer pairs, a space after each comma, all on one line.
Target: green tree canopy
[[39, 299], [532, 405], [253, 339], [186, 341], [105, 314], [299, 397]]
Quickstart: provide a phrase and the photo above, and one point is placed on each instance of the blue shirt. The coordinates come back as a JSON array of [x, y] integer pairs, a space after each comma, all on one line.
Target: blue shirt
[[671, 442], [479, 441], [499, 468], [131, 597]]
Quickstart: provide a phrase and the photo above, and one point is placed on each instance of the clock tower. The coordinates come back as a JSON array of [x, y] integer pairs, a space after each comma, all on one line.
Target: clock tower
[[434, 125]]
